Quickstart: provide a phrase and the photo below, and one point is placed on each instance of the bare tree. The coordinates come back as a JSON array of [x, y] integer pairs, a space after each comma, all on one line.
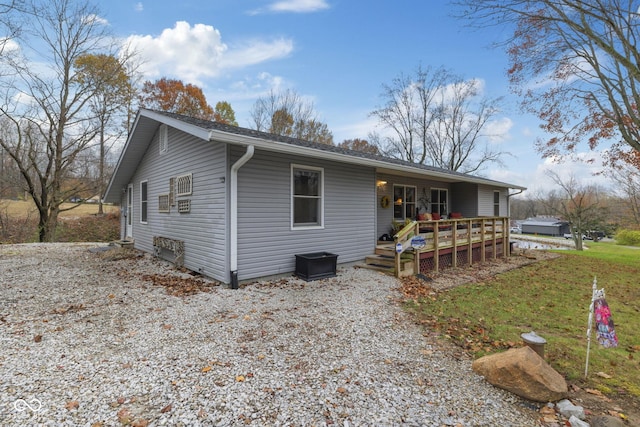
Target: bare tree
[[289, 114], [575, 64], [458, 137], [581, 205], [53, 124], [523, 208], [437, 118], [626, 177], [408, 113]]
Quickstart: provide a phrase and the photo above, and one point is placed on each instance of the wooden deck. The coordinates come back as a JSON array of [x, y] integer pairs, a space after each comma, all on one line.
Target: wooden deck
[[424, 246]]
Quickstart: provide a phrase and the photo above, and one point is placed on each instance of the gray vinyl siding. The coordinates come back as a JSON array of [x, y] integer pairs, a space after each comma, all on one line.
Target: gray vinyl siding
[[485, 200], [266, 242], [204, 229], [464, 199]]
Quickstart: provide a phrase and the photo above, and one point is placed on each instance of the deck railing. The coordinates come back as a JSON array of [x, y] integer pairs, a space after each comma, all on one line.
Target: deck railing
[[468, 240]]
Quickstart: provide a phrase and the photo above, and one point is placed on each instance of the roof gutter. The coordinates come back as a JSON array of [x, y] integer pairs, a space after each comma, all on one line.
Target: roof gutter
[[509, 196], [234, 214]]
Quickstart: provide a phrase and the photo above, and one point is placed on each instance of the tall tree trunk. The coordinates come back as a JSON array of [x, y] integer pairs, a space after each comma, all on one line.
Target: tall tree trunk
[[101, 178]]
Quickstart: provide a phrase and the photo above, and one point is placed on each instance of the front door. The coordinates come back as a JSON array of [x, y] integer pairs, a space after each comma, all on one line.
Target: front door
[[128, 228]]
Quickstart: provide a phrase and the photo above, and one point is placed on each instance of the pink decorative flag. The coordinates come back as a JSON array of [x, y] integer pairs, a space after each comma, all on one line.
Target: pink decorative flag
[[605, 329]]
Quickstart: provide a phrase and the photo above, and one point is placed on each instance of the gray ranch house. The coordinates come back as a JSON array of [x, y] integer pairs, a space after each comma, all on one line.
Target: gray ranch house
[[236, 204]]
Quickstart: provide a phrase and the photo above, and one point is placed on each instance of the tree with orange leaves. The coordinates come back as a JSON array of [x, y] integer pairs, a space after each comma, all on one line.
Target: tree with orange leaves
[[358, 144], [576, 66], [176, 97]]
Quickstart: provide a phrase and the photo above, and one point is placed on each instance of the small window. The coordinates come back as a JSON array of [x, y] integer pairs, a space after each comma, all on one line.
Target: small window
[[496, 203], [143, 202], [439, 201], [163, 139], [404, 202], [184, 185], [163, 203], [307, 203]]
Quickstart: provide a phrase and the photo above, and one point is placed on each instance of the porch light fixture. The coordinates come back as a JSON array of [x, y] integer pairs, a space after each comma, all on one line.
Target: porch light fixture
[[381, 183]]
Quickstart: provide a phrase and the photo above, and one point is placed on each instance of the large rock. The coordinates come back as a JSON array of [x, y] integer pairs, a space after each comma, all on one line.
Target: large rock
[[523, 372]]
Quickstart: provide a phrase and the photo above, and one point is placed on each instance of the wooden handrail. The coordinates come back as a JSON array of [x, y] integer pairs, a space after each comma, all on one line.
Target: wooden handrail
[[444, 234]]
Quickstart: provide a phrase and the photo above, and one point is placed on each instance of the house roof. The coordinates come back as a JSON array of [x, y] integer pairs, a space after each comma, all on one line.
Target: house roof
[[148, 121], [544, 222]]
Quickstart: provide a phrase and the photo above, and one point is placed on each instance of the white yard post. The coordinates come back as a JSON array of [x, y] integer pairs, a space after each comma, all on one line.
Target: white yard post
[[589, 327]]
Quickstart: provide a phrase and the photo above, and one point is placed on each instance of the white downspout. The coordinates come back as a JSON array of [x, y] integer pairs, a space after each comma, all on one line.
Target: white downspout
[[233, 211]]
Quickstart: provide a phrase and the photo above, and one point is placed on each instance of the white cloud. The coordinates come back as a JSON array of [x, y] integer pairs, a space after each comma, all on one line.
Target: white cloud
[[8, 45], [95, 19], [193, 53], [585, 167], [138, 7], [293, 6], [298, 6], [498, 130]]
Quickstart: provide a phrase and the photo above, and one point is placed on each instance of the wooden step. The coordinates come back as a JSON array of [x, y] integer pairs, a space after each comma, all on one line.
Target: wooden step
[[376, 268], [386, 251], [380, 260]]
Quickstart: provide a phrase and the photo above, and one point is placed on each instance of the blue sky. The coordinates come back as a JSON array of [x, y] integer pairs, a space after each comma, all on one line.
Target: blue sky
[[336, 53]]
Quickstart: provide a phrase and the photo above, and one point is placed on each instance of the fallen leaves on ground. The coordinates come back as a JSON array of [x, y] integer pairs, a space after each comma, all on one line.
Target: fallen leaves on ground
[[124, 416], [72, 404], [471, 336], [415, 288], [180, 286], [73, 308]]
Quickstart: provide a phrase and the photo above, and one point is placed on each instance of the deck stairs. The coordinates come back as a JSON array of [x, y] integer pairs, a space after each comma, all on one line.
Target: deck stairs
[[384, 259]]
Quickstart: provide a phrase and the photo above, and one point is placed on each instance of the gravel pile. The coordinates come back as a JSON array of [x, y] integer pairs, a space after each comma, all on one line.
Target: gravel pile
[[89, 341]]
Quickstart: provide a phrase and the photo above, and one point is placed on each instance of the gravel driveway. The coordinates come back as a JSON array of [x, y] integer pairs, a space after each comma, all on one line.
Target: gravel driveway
[[89, 341]]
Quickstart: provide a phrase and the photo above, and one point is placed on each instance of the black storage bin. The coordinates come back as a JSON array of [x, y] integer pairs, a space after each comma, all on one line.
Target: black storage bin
[[317, 265]]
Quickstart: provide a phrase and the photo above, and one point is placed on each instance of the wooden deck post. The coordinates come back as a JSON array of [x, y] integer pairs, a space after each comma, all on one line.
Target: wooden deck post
[[454, 243], [506, 241], [470, 242], [482, 240], [493, 237], [416, 253], [436, 251]]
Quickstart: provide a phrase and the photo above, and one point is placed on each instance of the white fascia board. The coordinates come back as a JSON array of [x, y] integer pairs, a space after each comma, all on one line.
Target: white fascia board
[[281, 147], [194, 130]]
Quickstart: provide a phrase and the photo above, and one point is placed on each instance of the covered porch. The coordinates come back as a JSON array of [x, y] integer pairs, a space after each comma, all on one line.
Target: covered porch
[[429, 246]]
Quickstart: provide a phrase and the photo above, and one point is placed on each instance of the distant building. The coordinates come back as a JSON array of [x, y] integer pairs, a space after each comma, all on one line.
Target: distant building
[[548, 226]]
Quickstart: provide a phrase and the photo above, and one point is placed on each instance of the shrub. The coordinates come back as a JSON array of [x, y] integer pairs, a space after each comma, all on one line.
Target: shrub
[[91, 228], [628, 237], [21, 229]]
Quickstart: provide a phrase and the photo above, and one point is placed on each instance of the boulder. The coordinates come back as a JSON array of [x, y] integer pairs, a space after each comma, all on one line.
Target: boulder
[[523, 372]]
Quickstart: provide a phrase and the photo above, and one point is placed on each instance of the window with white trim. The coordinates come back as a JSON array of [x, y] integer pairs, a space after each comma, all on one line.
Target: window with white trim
[[404, 202], [163, 203], [439, 201], [184, 185], [496, 203], [163, 138], [307, 198], [143, 201]]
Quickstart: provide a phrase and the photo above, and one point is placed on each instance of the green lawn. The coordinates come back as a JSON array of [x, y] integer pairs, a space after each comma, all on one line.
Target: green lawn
[[552, 298]]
